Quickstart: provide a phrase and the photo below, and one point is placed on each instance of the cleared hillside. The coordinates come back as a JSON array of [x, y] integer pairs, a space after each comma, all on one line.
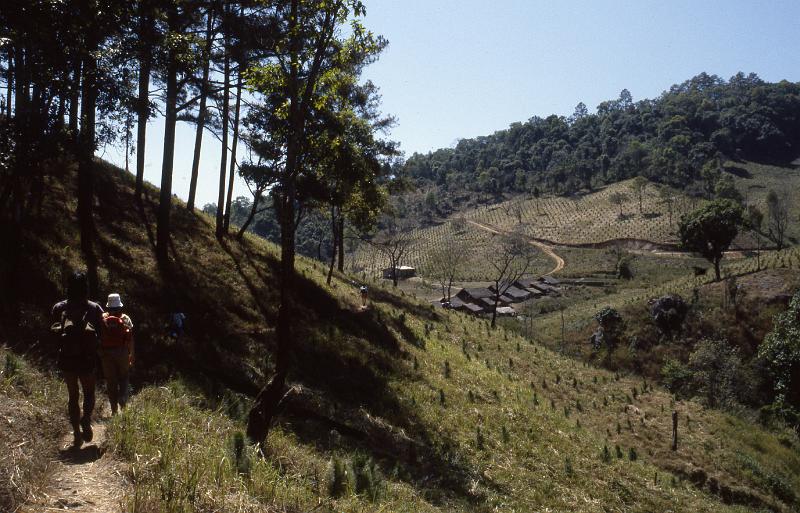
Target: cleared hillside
[[447, 414]]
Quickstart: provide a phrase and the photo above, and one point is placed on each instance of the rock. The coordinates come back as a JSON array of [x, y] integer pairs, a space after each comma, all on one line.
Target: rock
[[668, 313]]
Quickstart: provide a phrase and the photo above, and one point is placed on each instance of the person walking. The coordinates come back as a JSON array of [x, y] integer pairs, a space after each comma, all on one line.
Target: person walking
[[363, 291], [78, 324], [116, 351]]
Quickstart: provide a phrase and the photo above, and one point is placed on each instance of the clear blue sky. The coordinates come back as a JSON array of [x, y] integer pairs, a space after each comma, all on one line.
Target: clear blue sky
[[463, 68]]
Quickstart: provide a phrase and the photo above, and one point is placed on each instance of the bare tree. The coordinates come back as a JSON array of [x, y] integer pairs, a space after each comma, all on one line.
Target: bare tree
[[619, 199], [512, 259], [395, 242], [777, 216], [515, 208], [668, 196], [445, 263], [638, 188]]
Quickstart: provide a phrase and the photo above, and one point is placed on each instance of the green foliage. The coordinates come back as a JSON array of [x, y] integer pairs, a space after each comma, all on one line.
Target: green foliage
[[676, 377], [671, 137], [710, 230], [717, 371], [12, 367], [781, 350]]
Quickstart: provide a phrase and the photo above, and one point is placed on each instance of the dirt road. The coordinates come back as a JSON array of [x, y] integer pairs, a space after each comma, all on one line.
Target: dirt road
[[547, 250]]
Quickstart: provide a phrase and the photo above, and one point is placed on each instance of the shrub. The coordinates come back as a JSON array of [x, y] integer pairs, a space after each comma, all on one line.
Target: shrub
[[677, 378], [716, 368]]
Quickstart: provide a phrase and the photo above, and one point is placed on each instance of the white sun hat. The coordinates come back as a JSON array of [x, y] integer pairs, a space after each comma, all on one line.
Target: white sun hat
[[114, 301]]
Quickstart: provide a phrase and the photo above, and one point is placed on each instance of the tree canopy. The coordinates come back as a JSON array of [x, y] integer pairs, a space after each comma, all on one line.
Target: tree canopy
[[710, 230], [667, 140]]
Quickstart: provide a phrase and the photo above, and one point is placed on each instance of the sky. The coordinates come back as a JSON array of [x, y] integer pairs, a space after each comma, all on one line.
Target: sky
[[462, 68]]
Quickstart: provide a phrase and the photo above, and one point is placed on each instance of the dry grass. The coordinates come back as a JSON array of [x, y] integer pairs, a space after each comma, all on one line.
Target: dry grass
[[32, 419], [378, 386]]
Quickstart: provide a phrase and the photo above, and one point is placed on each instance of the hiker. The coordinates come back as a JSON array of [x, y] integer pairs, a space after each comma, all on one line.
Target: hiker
[[363, 290], [177, 321], [78, 322], [116, 351]]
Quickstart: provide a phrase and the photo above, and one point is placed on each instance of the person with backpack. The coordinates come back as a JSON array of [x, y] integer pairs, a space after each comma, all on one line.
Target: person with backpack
[[363, 291], [116, 351], [78, 325]]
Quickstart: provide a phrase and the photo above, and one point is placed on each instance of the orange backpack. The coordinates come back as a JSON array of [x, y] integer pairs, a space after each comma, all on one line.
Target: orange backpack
[[114, 333]]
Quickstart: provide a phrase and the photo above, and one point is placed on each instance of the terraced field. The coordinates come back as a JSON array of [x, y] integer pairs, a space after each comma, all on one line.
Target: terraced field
[[588, 222], [591, 218]]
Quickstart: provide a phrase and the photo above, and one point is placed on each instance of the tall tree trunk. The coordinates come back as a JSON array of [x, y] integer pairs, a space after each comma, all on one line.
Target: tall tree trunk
[[143, 101], [251, 216], [86, 149], [10, 80], [201, 115], [220, 227], [334, 233], [268, 401], [232, 170], [170, 119], [23, 149], [340, 245], [74, 100]]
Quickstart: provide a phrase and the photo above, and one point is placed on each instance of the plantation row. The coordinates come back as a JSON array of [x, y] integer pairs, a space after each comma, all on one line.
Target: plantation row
[[475, 244], [591, 218]]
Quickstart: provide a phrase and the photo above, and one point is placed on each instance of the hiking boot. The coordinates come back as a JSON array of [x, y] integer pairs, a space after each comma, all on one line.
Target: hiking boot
[[86, 425]]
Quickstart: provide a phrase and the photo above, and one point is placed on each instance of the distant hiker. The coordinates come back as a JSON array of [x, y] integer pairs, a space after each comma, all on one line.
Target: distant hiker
[[363, 290], [177, 321], [116, 351], [78, 323]]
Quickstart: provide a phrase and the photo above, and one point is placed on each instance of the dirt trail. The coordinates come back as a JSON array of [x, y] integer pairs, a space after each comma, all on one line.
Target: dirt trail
[[83, 480], [547, 250]]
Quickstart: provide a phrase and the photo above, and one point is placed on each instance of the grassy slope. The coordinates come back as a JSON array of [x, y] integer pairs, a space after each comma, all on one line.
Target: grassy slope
[[589, 219], [375, 384]]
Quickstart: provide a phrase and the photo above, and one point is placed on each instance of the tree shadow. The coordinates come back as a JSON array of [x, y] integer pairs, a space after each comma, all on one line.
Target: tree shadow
[[353, 356], [652, 215], [738, 172]]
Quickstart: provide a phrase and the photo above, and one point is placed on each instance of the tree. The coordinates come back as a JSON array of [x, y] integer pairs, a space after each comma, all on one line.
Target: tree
[[310, 51], [710, 230], [202, 109], [610, 330], [778, 216], [717, 371], [754, 223], [781, 350], [511, 260], [175, 74], [725, 188], [638, 188], [711, 174], [395, 241], [619, 199], [445, 263], [668, 196], [146, 43]]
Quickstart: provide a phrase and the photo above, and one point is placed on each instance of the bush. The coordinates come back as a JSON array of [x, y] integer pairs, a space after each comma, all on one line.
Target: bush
[[717, 371], [677, 378]]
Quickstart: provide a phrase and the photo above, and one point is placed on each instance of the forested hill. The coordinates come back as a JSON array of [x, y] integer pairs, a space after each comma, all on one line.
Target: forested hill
[[668, 139]]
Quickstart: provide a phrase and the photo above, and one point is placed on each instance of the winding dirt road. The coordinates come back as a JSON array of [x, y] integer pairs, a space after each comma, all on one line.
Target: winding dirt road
[[547, 250]]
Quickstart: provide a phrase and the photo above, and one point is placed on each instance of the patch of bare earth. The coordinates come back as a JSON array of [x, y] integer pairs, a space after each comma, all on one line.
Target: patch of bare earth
[[85, 479]]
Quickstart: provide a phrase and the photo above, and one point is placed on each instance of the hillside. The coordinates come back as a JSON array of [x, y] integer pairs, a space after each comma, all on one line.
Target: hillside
[[669, 139], [400, 407]]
